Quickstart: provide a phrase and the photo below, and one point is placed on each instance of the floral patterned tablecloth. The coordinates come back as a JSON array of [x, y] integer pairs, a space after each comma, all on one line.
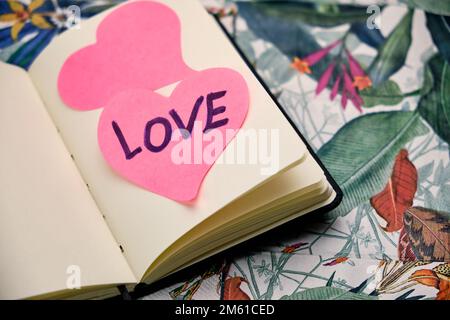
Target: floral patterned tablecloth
[[369, 87]]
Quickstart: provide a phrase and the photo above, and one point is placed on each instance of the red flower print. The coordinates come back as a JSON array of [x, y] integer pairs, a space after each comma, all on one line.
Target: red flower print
[[344, 98], [325, 78], [292, 248], [360, 79], [336, 261], [350, 78], [233, 291], [303, 65], [335, 89], [350, 91]]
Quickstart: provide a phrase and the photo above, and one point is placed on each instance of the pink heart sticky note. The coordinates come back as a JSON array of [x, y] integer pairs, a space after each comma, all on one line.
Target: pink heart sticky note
[[137, 128], [138, 46]]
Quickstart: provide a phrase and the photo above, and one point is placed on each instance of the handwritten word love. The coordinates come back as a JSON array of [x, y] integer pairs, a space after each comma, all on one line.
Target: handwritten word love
[[212, 112]]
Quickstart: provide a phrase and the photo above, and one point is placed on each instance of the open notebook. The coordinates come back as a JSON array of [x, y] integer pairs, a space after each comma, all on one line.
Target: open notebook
[[67, 210]]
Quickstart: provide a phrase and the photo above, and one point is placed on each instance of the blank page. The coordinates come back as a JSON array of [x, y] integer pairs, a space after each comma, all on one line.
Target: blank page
[[50, 227]]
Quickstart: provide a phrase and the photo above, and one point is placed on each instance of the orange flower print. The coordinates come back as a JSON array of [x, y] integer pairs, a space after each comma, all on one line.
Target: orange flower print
[[294, 247], [336, 261], [438, 277]]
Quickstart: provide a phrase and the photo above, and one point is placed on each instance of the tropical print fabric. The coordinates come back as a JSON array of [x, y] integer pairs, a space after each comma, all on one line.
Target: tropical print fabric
[[371, 94], [27, 27]]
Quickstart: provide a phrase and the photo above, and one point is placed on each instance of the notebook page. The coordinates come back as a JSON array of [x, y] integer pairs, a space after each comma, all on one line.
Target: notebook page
[[50, 227]]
